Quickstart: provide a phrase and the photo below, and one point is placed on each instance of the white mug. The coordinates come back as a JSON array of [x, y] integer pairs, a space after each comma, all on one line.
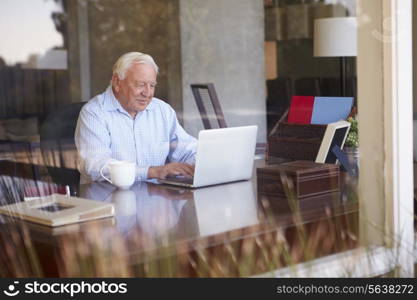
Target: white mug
[[122, 173]]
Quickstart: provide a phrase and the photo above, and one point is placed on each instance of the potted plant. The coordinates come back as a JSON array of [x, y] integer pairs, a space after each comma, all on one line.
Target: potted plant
[[352, 141]]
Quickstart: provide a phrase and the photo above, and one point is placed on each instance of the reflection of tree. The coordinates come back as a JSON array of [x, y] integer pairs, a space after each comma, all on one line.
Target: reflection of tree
[[60, 20]]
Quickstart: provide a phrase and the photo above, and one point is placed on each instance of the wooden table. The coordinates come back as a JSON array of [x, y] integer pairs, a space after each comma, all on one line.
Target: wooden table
[[162, 231]]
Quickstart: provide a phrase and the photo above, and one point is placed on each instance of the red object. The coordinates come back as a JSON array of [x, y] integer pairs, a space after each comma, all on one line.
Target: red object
[[301, 109]]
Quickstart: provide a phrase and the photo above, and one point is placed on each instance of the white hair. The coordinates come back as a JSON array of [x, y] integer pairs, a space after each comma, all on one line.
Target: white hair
[[127, 60]]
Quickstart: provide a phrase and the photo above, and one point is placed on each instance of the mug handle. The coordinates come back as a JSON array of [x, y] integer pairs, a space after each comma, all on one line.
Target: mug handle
[[102, 175]]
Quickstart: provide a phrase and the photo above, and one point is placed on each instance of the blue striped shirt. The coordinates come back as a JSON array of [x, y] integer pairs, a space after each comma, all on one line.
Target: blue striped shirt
[[106, 132]]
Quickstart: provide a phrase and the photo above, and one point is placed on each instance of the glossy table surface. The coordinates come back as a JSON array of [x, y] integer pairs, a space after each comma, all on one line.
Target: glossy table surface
[[165, 231]]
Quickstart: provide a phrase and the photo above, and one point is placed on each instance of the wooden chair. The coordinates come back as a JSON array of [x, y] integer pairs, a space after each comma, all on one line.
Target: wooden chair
[[208, 105], [210, 110], [56, 137]]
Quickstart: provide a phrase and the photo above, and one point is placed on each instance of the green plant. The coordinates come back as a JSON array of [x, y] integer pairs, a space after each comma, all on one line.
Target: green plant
[[352, 139]]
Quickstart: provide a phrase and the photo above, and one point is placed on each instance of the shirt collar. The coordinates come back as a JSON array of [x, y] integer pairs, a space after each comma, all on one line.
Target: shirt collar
[[111, 103]]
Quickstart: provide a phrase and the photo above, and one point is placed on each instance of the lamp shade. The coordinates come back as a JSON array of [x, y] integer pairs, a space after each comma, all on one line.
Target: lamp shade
[[335, 37]]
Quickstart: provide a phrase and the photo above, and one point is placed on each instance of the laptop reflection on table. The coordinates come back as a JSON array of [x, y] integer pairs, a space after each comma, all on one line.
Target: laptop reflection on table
[[217, 209], [225, 207], [223, 155]]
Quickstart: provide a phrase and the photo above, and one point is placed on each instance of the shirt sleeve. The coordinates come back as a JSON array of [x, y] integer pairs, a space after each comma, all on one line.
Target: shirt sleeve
[[183, 147], [93, 144]]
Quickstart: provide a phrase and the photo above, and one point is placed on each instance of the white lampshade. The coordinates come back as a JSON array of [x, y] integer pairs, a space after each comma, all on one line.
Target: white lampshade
[[335, 37]]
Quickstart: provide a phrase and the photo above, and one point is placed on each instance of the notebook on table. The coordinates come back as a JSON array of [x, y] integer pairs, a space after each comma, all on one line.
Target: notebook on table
[[57, 210]]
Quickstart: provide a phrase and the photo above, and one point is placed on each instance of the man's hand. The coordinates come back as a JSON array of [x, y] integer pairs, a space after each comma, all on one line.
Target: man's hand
[[171, 169]]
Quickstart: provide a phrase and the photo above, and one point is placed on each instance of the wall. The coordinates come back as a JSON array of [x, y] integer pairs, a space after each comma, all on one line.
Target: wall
[[73, 52], [296, 60], [120, 26], [223, 42], [349, 4]]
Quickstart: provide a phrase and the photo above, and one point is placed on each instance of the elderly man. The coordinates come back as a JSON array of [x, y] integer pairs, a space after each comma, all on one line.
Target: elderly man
[[127, 123]]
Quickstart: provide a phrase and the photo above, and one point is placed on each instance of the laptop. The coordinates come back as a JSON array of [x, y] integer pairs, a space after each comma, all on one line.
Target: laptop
[[223, 155]]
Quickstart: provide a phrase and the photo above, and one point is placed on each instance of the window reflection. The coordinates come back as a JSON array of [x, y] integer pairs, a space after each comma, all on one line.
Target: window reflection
[[66, 54], [34, 29], [33, 71]]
